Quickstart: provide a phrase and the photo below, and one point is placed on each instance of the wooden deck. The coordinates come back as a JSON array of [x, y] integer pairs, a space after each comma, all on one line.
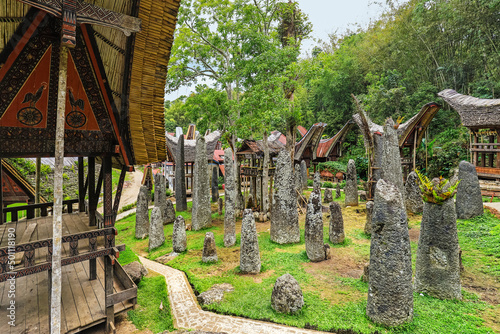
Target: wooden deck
[[83, 301]]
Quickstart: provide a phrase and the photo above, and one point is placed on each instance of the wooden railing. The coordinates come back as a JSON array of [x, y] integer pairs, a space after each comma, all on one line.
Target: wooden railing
[[31, 208]]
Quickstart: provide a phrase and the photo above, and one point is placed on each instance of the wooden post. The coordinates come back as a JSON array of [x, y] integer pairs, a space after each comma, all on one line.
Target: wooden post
[[475, 155], [81, 186], [91, 187], [491, 155], [108, 282], [498, 154], [37, 184], [1, 195], [415, 149], [55, 304]]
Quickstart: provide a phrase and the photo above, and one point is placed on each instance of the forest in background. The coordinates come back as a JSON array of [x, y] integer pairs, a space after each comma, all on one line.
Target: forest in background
[[395, 66]]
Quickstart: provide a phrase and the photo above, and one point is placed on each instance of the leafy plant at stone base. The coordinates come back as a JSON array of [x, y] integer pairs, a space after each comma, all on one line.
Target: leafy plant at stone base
[[437, 190]]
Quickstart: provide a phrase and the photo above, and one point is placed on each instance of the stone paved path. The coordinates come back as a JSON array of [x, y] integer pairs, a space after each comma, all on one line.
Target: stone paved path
[[188, 314]]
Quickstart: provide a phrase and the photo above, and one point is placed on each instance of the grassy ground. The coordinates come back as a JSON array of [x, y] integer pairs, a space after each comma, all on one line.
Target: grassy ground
[[334, 295]]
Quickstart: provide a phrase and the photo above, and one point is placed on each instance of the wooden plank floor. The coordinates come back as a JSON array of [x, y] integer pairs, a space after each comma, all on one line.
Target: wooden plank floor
[[83, 302]]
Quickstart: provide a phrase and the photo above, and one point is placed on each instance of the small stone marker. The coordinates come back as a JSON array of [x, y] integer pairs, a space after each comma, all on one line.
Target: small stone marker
[[249, 252], [336, 234], [215, 185], [220, 206], [469, 201], [229, 199], [180, 177], [328, 197], [303, 172], [136, 271], [214, 295], [313, 231], [179, 241], [201, 211], [169, 213], [250, 203], [337, 191], [413, 194], [317, 181], [156, 234], [142, 214], [390, 293], [351, 185], [437, 268], [209, 249], [369, 215], [287, 295]]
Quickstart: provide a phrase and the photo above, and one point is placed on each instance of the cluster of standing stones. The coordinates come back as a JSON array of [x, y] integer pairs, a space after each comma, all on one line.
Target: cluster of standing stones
[[390, 295]]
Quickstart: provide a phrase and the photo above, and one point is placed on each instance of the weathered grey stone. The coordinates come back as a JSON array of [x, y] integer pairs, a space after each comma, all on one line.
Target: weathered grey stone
[[156, 234], [336, 234], [362, 195], [313, 231], [160, 195], [180, 177], [298, 179], [328, 197], [164, 259], [201, 212], [142, 213], [391, 159], [328, 255], [284, 216], [437, 268], [179, 241], [229, 199], [303, 172], [390, 294], [287, 295], [317, 181], [369, 215], [169, 213], [136, 271], [337, 190], [413, 194], [366, 273], [250, 203], [351, 185], [469, 202], [215, 184], [249, 252], [215, 294], [209, 249], [220, 206]]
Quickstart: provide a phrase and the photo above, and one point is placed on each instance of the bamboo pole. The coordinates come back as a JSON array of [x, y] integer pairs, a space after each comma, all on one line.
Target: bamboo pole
[[56, 288]]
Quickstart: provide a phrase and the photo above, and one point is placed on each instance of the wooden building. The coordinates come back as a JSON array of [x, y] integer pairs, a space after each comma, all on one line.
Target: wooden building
[[331, 149], [88, 79], [482, 118], [15, 187]]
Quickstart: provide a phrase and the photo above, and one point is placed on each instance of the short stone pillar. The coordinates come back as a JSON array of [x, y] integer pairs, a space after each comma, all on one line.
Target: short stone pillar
[[209, 249], [156, 234], [179, 241], [469, 202], [229, 199], [317, 181], [328, 197], [351, 185], [391, 169], [215, 184], [303, 172], [437, 268], [249, 252], [201, 211], [169, 213], [413, 194], [369, 215], [313, 231], [390, 293], [336, 234], [220, 206], [337, 191], [287, 295], [142, 213]]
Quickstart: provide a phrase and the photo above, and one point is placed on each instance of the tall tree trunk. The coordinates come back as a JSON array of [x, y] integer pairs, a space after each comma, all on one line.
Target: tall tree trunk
[[265, 176]]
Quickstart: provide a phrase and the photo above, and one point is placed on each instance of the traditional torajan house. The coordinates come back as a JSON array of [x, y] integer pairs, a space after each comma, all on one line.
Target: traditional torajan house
[[482, 118], [77, 80], [331, 149], [15, 188], [307, 147]]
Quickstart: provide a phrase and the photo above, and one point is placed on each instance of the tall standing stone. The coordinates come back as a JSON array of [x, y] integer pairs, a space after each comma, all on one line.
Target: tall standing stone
[[328, 197], [142, 214], [317, 181], [469, 201], [220, 206], [337, 191], [284, 216], [229, 199], [209, 250], [369, 217], [201, 212], [303, 172], [390, 293], [169, 212], [298, 179], [391, 159], [156, 234], [413, 194], [160, 194], [180, 177], [437, 268], [215, 185], [249, 252], [336, 234], [313, 231], [351, 185], [179, 241]]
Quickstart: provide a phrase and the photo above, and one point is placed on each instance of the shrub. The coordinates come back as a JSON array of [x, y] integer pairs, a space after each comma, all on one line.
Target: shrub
[[220, 181], [328, 184], [310, 183], [169, 192]]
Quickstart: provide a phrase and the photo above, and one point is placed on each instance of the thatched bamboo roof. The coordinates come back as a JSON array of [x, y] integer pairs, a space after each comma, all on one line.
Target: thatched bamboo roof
[[326, 146], [309, 143], [190, 146], [420, 121], [474, 113]]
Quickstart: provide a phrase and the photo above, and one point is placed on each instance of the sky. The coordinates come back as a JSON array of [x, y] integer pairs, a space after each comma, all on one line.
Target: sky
[[327, 17]]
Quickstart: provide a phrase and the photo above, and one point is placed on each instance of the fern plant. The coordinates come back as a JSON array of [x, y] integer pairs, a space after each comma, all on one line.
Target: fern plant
[[436, 191]]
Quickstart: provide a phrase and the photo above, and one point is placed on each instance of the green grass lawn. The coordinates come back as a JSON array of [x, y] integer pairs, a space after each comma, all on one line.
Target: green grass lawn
[[20, 214]]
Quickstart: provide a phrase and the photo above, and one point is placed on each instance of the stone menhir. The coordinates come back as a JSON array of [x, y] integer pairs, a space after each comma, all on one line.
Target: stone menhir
[[180, 177], [160, 196], [284, 216], [437, 268], [369, 215], [220, 206], [142, 213], [169, 213], [303, 172], [390, 292], [328, 196], [201, 211], [215, 185], [249, 252], [209, 249], [313, 231], [156, 234], [351, 185], [336, 234], [317, 181], [229, 199], [287, 295], [337, 190], [250, 201], [179, 241], [391, 159], [298, 179], [413, 194], [469, 201]]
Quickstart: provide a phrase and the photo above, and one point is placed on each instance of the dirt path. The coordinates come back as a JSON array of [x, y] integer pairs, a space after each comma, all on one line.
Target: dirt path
[[131, 189]]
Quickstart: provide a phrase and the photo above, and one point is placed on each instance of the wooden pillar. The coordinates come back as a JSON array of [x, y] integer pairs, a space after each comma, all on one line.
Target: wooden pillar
[[81, 186], [110, 242], [108, 282], [492, 147], [2, 219], [498, 147], [91, 188], [475, 155]]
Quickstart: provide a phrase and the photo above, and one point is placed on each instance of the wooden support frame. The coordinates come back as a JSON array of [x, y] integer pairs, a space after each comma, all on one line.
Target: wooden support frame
[[81, 186], [91, 189], [1, 195], [118, 195], [108, 282]]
